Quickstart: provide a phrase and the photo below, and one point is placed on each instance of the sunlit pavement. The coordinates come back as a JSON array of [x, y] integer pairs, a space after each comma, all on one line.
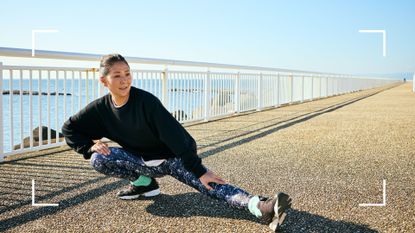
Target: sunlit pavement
[[330, 155]]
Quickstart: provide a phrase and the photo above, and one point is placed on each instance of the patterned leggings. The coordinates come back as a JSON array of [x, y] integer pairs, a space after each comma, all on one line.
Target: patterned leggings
[[123, 164]]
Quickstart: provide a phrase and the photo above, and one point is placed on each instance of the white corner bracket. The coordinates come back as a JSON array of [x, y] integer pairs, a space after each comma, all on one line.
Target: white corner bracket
[[33, 197], [34, 37], [377, 31], [378, 204]]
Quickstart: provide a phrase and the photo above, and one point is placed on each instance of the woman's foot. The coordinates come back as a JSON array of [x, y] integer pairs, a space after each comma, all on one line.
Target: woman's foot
[[273, 210], [134, 192]]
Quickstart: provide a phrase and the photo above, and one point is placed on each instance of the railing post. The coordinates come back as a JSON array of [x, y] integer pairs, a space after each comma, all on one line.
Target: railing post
[[86, 87], [164, 88], [339, 80], [1, 113], [335, 87], [292, 88], [94, 83], [207, 96], [312, 87], [321, 89], [327, 86], [101, 89], [302, 88], [237, 92], [49, 112], [259, 105], [278, 89], [347, 85]]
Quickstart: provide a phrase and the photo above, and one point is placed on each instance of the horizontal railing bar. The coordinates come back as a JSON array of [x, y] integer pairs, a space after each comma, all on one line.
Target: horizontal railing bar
[[189, 72], [37, 148], [49, 68], [82, 69], [282, 74], [47, 54]]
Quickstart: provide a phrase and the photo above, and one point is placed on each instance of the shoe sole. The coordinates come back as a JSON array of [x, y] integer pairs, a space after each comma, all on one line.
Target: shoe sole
[[151, 193], [281, 205]]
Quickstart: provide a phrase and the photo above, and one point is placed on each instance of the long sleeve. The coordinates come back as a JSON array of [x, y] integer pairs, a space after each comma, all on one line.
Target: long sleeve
[[81, 129], [172, 133]]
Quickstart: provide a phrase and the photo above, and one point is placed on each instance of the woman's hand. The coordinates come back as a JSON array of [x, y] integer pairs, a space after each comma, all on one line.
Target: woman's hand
[[210, 177], [101, 148]]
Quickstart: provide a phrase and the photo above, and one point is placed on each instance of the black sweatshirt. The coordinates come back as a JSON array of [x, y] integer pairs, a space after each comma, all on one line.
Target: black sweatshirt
[[142, 126]]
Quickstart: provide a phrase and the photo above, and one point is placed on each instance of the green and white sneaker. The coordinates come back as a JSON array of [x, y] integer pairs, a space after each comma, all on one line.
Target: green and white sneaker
[[134, 192]]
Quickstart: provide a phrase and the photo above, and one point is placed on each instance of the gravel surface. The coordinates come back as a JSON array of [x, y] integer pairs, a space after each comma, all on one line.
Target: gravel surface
[[330, 155]]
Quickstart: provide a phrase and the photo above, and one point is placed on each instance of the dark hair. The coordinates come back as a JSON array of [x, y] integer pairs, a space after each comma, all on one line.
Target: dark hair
[[108, 61]]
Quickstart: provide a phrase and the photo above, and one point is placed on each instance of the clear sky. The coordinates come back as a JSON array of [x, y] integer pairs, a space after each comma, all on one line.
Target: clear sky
[[307, 35]]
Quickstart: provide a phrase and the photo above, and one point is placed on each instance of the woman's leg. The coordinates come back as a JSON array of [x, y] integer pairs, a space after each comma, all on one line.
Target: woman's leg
[[232, 195], [123, 164]]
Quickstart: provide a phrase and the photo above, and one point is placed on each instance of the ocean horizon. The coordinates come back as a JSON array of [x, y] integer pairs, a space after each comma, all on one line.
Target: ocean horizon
[[184, 97]]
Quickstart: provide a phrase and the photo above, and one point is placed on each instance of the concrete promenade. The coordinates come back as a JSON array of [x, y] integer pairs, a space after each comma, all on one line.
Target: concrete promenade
[[330, 155]]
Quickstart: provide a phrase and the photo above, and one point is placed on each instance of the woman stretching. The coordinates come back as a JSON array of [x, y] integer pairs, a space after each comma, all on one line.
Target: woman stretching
[[153, 144]]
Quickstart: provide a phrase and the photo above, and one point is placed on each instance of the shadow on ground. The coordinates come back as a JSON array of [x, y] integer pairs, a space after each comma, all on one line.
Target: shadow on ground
[[40, 212], [181, 205], [196, 204], [273, 127], [301, 221]]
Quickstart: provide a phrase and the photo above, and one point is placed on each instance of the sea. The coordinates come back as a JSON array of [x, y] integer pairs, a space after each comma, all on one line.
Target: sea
[[20, 119]]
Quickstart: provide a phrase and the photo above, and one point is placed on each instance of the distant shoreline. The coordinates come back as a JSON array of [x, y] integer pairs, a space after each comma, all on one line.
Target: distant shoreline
[[17, 92]]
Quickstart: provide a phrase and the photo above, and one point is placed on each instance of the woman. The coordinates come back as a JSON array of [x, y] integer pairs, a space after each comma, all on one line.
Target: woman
[[153, 144]]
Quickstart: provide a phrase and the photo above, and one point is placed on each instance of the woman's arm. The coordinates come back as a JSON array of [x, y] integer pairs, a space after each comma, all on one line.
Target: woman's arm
[[81, 129], [172, 133], [175, 136]]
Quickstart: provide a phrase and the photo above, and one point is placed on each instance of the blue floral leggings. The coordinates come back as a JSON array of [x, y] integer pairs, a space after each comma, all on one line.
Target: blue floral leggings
[[123, 164]]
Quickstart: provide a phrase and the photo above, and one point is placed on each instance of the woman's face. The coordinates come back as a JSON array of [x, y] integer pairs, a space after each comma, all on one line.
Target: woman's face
[[118, 80]]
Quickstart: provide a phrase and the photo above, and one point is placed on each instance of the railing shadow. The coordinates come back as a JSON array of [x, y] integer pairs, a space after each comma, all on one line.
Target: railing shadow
[[291, 121], [165, 205], [173, 206], [279, 125], [39, 212], [52, 194], [302, 221]]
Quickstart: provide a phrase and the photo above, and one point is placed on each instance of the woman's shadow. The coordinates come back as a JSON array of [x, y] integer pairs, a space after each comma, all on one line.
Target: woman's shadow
[[195, 204]]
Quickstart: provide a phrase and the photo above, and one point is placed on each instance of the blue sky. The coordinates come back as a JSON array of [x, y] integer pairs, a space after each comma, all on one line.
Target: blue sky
[[306, 35]]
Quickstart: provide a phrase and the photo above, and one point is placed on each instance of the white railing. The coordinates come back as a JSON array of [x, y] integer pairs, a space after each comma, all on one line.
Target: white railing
[[36, 96], [413, 83]]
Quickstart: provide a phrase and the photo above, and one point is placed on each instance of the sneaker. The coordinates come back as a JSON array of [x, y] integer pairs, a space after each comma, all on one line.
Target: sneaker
[[134, 192], [273, 210]]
